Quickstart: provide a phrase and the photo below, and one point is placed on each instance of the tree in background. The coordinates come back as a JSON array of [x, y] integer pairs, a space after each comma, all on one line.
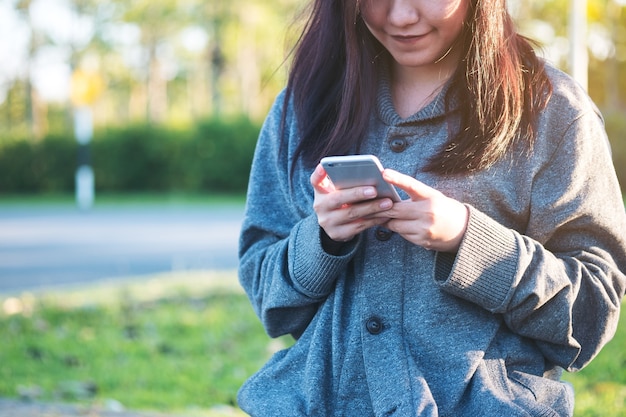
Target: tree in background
[[547, 21], [33, 107], [157, 23], [181, 60]]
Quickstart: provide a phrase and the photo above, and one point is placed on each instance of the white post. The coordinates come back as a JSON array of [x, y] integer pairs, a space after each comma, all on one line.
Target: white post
[[85, 183], [579, 59]]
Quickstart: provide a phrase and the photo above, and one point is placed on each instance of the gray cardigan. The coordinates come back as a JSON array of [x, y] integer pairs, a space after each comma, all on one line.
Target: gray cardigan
[[389, 328]]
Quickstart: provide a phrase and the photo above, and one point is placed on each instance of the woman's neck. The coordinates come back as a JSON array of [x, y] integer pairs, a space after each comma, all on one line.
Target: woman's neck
[[413, 88]]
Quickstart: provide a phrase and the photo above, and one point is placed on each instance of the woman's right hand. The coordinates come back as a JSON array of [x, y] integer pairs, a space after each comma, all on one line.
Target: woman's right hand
[[345, 213]]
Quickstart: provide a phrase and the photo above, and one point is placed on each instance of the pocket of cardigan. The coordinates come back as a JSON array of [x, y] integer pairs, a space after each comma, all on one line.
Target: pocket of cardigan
[[542, 396]]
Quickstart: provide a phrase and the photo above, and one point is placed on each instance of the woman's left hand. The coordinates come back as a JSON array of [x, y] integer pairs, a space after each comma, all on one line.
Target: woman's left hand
[[429, 218]]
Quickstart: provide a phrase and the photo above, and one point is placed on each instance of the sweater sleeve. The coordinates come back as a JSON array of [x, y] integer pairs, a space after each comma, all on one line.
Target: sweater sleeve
[[563, 287], [282, 265]]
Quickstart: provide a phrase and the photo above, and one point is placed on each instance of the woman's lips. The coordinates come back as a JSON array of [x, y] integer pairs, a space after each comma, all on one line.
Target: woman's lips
[[408, 38]]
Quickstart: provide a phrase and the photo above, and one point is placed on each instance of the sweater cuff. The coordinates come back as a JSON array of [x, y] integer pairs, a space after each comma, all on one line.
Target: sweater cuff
[[313, 270], [485, 267]]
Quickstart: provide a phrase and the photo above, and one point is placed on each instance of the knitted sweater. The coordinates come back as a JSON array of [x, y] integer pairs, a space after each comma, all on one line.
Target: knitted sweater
[[386, 327]]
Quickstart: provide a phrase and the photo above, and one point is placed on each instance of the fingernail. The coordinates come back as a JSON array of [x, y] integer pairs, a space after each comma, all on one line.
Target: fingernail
[[386, 204], [369, 192]]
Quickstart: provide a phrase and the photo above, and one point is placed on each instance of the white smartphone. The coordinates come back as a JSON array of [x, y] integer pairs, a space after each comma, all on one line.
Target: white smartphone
[[358, 170]]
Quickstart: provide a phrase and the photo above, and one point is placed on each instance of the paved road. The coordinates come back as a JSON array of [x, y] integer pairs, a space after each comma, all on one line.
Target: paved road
[[47, 246]]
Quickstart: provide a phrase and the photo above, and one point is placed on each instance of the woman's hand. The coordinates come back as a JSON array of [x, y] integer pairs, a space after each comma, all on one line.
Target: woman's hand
[[429, 219], [345, 213]]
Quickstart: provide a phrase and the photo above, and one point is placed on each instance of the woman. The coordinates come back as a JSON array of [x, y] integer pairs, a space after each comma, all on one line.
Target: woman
[[502, 265]]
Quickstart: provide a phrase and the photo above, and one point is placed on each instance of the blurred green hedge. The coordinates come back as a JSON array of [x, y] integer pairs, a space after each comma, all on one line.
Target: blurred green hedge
[[46, 166], [213, 155], [615, 122]]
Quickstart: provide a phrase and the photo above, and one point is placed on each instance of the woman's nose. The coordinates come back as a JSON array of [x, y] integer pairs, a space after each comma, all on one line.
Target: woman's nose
[[402, 13]]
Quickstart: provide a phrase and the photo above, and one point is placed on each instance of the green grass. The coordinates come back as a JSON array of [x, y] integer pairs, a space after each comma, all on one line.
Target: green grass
[[601, 387], [180, 343], [164, 345]]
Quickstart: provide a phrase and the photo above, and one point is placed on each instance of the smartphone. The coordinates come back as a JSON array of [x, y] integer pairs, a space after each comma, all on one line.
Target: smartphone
[[358, 170]]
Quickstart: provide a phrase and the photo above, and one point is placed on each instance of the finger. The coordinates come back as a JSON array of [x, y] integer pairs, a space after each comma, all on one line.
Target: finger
[[416, 190], [359, 194], [320, 181], [345, 232], [367, 209], [349, 196], [390, 209]]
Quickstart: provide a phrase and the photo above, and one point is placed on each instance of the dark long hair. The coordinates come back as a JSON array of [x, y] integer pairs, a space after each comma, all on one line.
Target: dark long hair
[[500, 84]]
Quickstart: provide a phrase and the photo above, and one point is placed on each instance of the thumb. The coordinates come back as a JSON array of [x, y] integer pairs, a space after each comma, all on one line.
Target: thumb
[[320, 181], [416, 190]]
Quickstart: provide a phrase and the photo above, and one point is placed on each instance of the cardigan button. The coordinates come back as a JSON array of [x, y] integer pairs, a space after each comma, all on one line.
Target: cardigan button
[[383, 234], [374, 326], [398, 144]]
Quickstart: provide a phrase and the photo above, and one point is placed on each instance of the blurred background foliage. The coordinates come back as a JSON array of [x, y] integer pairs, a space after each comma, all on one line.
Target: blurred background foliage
[[178, 88]]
